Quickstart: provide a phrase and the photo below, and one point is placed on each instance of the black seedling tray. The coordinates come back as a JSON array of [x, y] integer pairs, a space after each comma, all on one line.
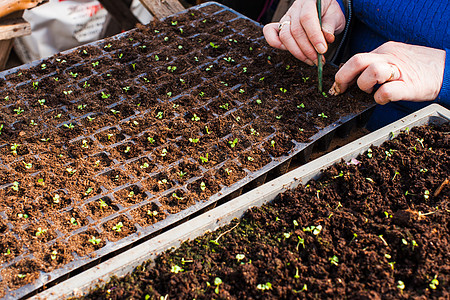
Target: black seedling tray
[[73, 91]]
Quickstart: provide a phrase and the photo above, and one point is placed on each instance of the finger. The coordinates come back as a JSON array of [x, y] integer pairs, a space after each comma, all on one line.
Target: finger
[[349, 71], [302, 41], [291, 45], [392, 91], [311, 25], [271, 34], [377, 73]]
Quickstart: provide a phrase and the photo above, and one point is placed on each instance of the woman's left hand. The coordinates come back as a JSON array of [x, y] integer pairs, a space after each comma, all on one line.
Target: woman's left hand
[[405, 72]]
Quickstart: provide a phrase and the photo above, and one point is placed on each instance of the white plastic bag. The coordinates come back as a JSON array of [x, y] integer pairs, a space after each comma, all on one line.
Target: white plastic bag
[[63, 24]]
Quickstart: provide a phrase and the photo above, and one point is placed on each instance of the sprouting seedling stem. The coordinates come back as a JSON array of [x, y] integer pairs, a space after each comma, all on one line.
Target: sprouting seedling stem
[[319, 56]]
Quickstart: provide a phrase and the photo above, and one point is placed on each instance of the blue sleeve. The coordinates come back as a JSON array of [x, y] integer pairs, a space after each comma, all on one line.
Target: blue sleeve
[[444, 95]]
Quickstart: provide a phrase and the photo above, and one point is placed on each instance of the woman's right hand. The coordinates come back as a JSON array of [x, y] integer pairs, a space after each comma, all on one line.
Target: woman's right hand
[[300, 32]]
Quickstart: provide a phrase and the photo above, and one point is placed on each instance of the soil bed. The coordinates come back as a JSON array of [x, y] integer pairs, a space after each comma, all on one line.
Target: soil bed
[[373, 228], [104, 141]]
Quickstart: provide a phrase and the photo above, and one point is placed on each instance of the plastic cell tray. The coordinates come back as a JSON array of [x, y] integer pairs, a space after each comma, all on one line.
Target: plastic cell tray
[[235, 208], [276, 167]]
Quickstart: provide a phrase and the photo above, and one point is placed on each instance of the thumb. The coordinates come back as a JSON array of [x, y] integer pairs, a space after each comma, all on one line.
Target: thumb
[[392, 91]]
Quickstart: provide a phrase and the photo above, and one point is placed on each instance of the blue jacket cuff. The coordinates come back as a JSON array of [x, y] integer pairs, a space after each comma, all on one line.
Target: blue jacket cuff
[[444, 94]]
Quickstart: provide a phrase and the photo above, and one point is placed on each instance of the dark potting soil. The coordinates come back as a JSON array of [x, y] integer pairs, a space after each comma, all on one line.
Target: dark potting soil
[[110, 138], [373, 228]]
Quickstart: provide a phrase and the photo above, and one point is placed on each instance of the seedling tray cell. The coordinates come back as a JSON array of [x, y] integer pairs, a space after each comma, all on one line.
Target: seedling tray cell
[[108, 145]]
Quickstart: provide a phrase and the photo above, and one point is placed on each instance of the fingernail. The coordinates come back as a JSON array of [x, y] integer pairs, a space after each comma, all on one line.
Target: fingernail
[[309, 62], [321, 48]]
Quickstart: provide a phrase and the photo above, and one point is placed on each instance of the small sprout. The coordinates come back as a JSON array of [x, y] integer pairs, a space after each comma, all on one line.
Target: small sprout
[[322, 115], [133, 65], [18, 110], [162, 181], [144, 165], [204, 159], [164, 152], [434, 283], [14, 148], [8, 252], [35, 84], [118, 227], [181, 174], [88, 191], [41, 102], [264, 286], [15, 186], [151, 140], [152, 213], [286, 235], [176, 269], [115, 112], [395, 175], [401, 285], [25, 216], [384, 241], [283, 90], [95, 64], [224, 106], [107, 46], [278, 117], [228, 171], [160, 114], [174, 23], [105, 96], [240, 257], [315, 230], [334, 260], [156, 57], [70, 171], [202, 186], [58, 116], [33, 123], [387, 215], [201, 94], [207, 130], [233, 143], [272, 143], [195, 118], [53, 254], [414, 244], [241, 91], [56, 198], [258, 101], [426, 195], [213, 45], [73, 221], [301, 105], [217, 283], [171, 68], [74, 75], [94, 241], [228, 59], [27, 165], [424, 170], [21, 276], [369, 153], [40, 232], [254, 132], [126, 88], [90, 119], [166, 39], [127, 149], [249, 158], [69, 126], [43, 66], [102, 204], [244, 69], [194, 140], [6, 98], [421, 142], [209, 68], [67, 92]]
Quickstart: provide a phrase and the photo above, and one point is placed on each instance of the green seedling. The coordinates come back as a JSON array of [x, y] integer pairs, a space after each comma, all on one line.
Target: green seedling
[[195, 118], [127, 149], [67, 92], [118, 227], [264, 286], [225, 106], [151, 140], [74, 75], [94, 241], [18, 110], [283, 90], [73, 221], [152, 213], [90, 119], [233, 143], [56, 198], [249, 158], [95, 64], [88, 191], [33, 123], [35, 84], [160, 115], [272, 143], [322, 115], [164, 152], [71, 171], [174, 195], [53, 254], [69, 126], [426, 195], [217, 283], [15, 186], [301, 105], [204, 159], [145, 165], [131, 194], [41, 102], [213, 45], [181, 174], [334, 260], [21, 276], [315, 230], [27, 165], [240, 257], [102, 204], [434, 283], [84, 144], [194, 140], [24, 216], [14, 148], [115, 112], [300, 242], [105, 95], [176, 269], [202, 186], [401, 286], [40, 232]]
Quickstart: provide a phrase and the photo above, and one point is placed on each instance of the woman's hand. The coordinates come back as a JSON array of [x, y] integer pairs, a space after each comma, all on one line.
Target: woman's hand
[[300, 32], [405, 72]]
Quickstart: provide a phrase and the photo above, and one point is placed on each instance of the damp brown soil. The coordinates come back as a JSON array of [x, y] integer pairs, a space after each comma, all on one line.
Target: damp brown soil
[[106, 140], [373, 228]]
